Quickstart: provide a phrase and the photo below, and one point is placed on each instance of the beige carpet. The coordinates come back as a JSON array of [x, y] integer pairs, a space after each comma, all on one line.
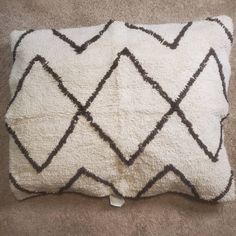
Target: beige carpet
[[78, 215]]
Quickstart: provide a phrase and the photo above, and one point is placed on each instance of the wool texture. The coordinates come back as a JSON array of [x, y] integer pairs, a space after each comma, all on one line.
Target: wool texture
[[119, 108]]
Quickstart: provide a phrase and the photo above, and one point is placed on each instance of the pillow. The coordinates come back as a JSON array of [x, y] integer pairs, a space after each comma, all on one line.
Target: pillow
[[121, 109]]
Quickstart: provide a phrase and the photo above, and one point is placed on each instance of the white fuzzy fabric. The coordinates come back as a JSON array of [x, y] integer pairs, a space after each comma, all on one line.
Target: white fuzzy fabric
[[139, 75]]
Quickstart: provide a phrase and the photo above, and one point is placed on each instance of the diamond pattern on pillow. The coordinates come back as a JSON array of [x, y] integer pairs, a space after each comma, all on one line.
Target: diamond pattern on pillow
[[126, 109]]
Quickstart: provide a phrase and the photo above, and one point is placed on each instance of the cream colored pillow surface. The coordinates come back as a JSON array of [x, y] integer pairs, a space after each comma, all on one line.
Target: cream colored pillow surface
[[121, 109]]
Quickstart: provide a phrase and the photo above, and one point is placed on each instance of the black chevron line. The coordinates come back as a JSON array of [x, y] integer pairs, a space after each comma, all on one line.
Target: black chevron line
[[83, 171], [219, 22], [185, 181], [22, 148], [61, 142], [213, 157], [80, 49], [227, 188], [82, 109], [105, 137], [54, 75], [18, 43], [220, 68], [20, 83], [103, 80], [164, 172], [172, 45], [221, 135], [19, 187]]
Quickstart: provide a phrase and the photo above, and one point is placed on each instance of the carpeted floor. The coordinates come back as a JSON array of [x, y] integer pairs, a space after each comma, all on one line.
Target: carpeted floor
[[78, 215]]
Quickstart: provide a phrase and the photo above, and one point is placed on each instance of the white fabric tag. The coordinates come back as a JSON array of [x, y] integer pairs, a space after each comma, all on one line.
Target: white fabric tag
[[116, 201]]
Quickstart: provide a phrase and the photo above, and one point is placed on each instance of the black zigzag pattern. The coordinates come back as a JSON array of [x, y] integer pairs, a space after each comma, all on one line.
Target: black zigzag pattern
[[172, 45], [168, 168], [227, 32], [83, 47], [19, 41], [83, 110]]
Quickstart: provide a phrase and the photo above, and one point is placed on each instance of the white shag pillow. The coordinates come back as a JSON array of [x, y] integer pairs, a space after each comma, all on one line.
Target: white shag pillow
[[121, 109]]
